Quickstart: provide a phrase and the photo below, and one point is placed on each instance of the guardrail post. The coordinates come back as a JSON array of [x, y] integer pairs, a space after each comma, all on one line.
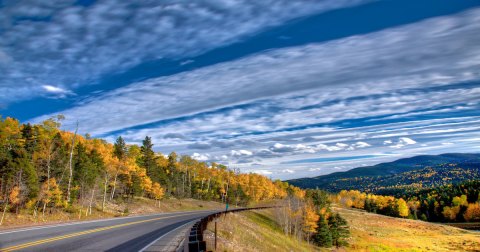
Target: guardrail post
[[215, 235]]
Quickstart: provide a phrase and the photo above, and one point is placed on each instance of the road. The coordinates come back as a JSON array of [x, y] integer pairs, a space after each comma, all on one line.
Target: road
[[118, 234]]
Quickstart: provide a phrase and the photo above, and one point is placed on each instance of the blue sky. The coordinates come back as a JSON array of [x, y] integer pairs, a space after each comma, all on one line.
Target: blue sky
[[283, 88]]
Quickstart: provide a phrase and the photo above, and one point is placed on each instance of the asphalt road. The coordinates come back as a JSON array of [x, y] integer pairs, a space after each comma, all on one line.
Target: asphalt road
[[118, 234]]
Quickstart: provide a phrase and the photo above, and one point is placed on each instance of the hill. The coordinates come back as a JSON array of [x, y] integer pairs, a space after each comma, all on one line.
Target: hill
[[424, 171], [253, 231], [374, 232], [257, 231]]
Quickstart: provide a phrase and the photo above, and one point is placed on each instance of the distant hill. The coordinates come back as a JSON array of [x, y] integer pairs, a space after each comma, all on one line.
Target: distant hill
[[420, 171]]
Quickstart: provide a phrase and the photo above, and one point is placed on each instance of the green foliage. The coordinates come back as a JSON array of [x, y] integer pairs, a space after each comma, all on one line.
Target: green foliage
[[339, 229], [323, 236], [320, 199]]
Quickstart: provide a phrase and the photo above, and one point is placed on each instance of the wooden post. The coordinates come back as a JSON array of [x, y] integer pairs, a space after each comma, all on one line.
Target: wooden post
[[215, 235]]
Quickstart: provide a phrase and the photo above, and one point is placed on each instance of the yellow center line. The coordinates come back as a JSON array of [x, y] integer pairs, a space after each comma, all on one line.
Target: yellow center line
[[34, 243]]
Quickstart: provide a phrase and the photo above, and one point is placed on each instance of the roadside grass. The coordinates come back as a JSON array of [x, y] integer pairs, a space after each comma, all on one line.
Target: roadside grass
[[252, 231], [116, 208], [373, 232]]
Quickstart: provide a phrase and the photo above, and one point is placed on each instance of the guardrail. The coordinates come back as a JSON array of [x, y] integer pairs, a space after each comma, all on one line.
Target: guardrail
[[194, 241]]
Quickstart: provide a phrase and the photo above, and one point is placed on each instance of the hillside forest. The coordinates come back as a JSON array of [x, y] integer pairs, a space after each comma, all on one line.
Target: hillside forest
[[45, 170], [451, 203]]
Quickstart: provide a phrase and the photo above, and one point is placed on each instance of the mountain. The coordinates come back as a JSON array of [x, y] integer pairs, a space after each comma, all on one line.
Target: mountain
[[418, 171]]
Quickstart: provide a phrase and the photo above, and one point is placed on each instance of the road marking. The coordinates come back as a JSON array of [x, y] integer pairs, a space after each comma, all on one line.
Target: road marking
[[93, 221], [34, 243], [151, 243]]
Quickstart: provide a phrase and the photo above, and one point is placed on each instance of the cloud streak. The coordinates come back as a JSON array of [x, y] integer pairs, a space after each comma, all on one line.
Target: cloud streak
[[73, 45], [310, 109]]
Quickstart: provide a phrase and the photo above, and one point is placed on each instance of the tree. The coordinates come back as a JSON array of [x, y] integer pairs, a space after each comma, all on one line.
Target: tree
[[50, 194], [70, 168], [147, 159], [319, 198], [338, 229], [450, 213], [157, 192], [310, 219], [323, 237], [402, 208], [120, 148], [473, 212]]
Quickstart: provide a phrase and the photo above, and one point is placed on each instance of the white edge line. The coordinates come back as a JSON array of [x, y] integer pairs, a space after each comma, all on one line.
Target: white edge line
[[151, 243], [93, 221]]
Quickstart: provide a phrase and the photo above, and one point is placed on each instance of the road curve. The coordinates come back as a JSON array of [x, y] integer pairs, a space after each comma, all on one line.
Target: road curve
[[118, 234]]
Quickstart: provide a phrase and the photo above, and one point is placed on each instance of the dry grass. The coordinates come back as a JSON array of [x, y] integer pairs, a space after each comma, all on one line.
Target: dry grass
[[252, 231], [372, 232], [137, 206]]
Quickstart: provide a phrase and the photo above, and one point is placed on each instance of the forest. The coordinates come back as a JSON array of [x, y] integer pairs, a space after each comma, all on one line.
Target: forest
[[451, 203], [43, 167], [45, 170]]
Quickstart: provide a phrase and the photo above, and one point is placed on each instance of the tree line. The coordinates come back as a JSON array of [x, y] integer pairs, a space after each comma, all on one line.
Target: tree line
[[43, 168], [451, 203]]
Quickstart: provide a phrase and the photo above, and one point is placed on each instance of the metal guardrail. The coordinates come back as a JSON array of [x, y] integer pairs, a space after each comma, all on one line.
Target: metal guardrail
[[194, 241]]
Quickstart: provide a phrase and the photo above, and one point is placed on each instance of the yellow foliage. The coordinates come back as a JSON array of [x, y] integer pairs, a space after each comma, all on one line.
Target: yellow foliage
[[51, 192], [451, 213], [403, 210], [14, 196], [473, 212], [310, 218], [157, 191]]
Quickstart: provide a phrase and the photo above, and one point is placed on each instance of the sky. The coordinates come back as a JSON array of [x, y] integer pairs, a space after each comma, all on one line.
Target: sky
[[283, 88]]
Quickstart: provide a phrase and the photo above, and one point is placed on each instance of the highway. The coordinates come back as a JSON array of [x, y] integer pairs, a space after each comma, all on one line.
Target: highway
[[117, 234]]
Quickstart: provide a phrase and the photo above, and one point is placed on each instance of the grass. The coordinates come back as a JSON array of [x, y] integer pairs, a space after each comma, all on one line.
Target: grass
[[136, 206], [257, 231], [373, 232], [252, 231]]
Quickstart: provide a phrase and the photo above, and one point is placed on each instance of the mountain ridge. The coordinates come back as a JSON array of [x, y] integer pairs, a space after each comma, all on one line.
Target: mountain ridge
[[384, 170]]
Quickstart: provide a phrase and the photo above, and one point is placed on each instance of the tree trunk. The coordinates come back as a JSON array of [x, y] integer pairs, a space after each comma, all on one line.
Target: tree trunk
[[208, 188], [70, 164], [114, 186], [4, 210], [91, 202], [105, 192]]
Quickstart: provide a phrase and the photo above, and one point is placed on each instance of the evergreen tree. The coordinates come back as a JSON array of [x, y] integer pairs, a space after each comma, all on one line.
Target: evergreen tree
[[338, 229], [120, 148], [28, 135], [148, 160], [323, 236]]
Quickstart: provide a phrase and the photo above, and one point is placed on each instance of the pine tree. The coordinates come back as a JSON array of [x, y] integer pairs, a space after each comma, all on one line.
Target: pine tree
[[120, 148], [339, 230], [323, 236], [147, 159]]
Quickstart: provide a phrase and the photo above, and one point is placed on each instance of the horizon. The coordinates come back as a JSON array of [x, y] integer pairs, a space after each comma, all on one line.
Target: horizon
[[277, 88]]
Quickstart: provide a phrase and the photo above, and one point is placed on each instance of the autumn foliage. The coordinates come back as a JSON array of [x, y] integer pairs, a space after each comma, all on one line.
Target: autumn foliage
[[35, 163], [452, 203]]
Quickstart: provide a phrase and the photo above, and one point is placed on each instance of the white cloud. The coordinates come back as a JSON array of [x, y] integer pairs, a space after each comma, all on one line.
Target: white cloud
[[53, 89], [262, 172], [288, 171], [387, 142], [362, 145], [403, 141], [237, 153], [201, 157]]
